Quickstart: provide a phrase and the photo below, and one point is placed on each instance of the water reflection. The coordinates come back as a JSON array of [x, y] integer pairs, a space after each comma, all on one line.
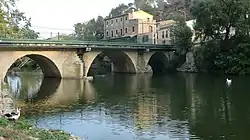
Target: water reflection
[[126, 107], [25, 87]]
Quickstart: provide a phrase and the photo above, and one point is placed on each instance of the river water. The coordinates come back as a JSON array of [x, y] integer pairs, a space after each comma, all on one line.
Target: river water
[[137, 107]]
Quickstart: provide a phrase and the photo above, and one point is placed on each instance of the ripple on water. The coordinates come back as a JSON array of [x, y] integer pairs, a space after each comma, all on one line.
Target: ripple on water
[[172, 107]]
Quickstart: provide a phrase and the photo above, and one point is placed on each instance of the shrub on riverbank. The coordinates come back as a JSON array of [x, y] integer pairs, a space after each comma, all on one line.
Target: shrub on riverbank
[[235, 60], [21, 130]]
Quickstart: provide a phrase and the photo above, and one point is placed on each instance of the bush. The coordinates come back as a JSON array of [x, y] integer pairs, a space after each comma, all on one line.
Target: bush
[[235, 61], [204, 56], [21, 130], [232, 59]]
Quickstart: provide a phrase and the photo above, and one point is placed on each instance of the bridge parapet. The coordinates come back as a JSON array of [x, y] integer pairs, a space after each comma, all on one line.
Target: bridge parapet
[[80, 44]]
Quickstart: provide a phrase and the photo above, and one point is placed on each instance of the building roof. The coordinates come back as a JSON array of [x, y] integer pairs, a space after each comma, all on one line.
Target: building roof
[[136, 12], [166, 22], [143, 12], [116, 16]]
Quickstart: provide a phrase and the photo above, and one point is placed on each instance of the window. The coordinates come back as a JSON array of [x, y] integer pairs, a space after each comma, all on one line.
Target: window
[[112, 33], [150, 29], [157, 25], [116, 31], [162, 34], [126, 18], [116, 20], [167, 35], [107, 22], [126, 30], [133, 29], [121, 32], [107, 33], [145, 38], [111, 21], [157, 35], [148, 19], [121, 19]]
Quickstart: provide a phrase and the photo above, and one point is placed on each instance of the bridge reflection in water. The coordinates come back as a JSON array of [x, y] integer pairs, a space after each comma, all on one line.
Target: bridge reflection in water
[[130, 107]]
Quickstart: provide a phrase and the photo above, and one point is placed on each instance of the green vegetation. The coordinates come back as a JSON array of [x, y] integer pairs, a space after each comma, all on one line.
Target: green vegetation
[[222, 27], [14, 23], [94, 28], [21, 130]]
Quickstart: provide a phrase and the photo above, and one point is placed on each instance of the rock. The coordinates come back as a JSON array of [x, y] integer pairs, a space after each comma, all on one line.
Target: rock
[[90, 78], [6, 103], [189, 65], [2, 138], [148, 69]]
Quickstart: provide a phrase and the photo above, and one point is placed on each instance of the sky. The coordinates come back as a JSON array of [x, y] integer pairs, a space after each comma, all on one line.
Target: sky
[[60, 15]]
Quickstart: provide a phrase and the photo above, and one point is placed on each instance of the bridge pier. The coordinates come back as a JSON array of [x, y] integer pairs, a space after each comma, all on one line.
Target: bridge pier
[[128, 61], [142, 62]]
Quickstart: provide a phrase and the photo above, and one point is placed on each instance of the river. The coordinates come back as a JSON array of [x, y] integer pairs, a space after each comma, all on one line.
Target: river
[[137, 107]]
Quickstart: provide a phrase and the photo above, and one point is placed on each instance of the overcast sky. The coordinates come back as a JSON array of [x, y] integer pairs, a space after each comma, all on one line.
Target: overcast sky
[[61, 15]]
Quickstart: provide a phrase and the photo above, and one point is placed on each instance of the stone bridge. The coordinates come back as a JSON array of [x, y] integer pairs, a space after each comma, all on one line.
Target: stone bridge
[[73, 60]]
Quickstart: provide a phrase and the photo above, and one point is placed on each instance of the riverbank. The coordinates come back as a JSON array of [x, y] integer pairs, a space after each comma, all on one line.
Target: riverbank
[[22, 130]]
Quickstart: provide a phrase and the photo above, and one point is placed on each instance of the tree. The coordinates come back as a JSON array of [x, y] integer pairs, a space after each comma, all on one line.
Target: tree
[[91, 30], [79, 31], [173, 8], [182, 36], [14, 23], [120, 9], [149, 6], [215, 19], [223, 26]]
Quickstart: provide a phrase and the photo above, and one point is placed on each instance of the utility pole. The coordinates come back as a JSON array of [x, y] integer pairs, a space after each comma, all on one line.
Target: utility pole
[[58, 36]]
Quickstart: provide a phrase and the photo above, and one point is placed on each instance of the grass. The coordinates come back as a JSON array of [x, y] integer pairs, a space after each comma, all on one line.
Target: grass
[[21, 130]]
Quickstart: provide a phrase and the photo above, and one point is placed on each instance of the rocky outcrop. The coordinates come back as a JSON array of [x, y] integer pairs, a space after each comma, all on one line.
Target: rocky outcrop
[[6, 102], [189, 65]]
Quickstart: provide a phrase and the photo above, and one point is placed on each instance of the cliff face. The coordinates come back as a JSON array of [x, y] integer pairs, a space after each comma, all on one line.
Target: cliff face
[[189, 65]]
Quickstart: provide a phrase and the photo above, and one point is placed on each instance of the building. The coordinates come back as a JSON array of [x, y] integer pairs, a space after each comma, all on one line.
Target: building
[[163, 31], [190, 24], [137, 24]]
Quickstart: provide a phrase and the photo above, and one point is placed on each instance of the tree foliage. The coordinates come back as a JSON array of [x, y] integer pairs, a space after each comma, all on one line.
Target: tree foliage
[[121, 9], [181, 35], [215, 19], [91, 30], [14, 23], [227, 24], [174, 8]]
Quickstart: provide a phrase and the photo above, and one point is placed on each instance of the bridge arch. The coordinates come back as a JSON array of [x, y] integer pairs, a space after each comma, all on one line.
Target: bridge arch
[[122, 62], [159, 62], [47, 65], [53, 63]]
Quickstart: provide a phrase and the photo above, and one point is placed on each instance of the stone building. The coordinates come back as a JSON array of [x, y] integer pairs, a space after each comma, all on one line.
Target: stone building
[[138, 24], [140, 27], [163, 31]]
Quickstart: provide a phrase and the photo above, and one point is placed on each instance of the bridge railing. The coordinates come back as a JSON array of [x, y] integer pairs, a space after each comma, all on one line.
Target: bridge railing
[[21, 42]]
